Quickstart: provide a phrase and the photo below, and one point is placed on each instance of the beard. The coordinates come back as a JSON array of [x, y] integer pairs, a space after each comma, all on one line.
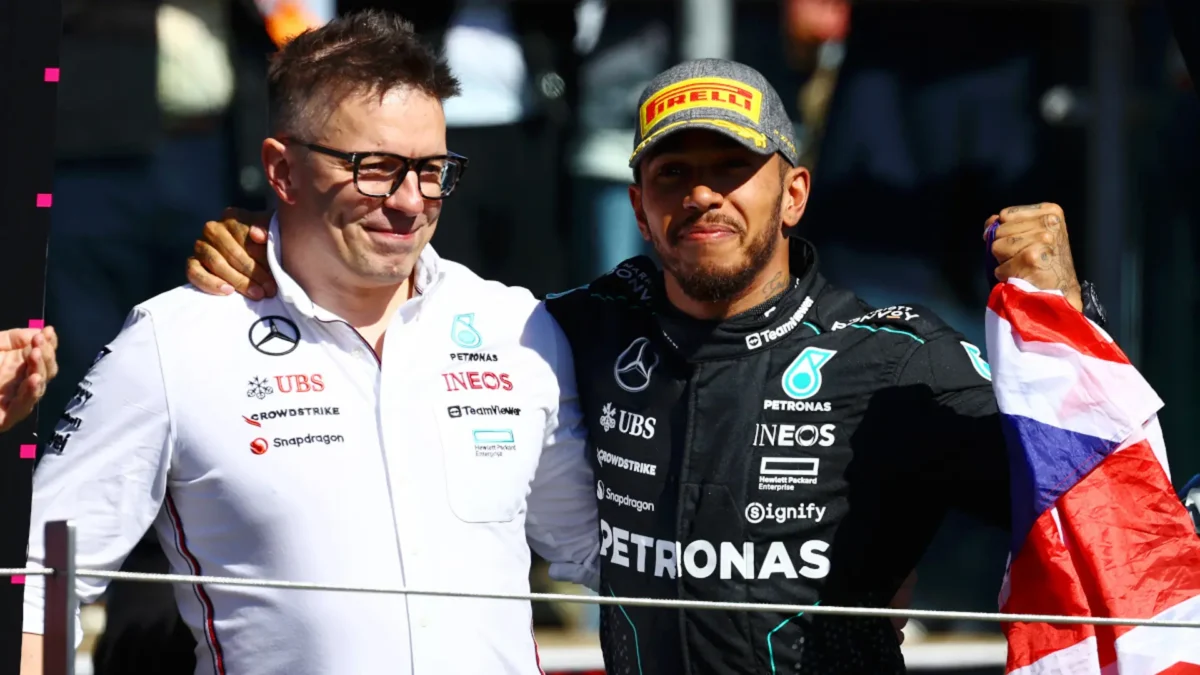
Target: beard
[[724, 282]]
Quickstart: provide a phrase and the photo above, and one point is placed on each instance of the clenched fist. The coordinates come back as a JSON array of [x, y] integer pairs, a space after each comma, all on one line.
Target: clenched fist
[[1031, 244]]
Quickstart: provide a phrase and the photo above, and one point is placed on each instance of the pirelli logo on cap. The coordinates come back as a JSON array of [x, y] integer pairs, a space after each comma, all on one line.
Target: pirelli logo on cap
[[700, 92]]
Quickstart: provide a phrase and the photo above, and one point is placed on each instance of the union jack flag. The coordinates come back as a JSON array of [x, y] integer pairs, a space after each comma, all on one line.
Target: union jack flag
[[1097, 528]]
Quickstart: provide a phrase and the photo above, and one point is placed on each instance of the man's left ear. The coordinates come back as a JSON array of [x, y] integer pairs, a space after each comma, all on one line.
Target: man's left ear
[[795, 195]]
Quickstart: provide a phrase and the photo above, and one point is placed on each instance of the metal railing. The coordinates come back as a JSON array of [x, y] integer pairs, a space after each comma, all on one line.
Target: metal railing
[[62, 603]]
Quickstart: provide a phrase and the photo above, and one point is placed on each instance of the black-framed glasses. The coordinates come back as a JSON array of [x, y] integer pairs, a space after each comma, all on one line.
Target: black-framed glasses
[[379, 174]]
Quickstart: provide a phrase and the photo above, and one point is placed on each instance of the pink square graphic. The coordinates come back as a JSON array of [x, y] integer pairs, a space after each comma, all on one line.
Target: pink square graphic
[[37, 324], [29, 451], [52, 74], [18, 579], [44, 200]]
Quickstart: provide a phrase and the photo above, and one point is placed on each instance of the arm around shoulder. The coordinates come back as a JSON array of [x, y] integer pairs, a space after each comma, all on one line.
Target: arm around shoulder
[[562, 522]]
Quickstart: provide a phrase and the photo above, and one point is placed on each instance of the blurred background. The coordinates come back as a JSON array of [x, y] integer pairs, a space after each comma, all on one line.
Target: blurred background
[[919, 119]]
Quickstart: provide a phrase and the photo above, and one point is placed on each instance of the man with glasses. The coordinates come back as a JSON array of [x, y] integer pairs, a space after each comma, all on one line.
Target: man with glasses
[[389, 417]]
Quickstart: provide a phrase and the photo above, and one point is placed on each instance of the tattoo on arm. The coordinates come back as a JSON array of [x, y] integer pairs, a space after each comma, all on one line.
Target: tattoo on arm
[[775, 286], [1062, 264]]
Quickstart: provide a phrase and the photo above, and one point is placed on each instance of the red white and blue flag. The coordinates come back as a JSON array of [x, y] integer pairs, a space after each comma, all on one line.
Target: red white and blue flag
[[1097, 528]]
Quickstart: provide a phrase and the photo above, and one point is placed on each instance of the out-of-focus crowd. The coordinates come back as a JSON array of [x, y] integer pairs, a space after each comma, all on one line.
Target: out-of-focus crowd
[[919, 119]]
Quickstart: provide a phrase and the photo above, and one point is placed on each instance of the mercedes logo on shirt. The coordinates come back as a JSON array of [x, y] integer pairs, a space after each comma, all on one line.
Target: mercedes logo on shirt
[[274, 335], [635, 365]]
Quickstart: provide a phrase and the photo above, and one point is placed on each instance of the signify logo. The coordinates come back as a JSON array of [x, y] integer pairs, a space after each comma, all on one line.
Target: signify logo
[[757, 513]]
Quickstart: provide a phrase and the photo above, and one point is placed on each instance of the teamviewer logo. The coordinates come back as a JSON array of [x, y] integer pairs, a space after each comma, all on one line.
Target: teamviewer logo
[[753, 341], [455, 411]]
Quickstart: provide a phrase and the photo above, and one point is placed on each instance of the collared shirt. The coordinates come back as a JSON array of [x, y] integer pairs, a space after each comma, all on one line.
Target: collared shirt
[[265, 440]]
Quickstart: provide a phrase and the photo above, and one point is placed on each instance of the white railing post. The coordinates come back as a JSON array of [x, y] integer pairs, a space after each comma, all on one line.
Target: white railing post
[[59, 630]]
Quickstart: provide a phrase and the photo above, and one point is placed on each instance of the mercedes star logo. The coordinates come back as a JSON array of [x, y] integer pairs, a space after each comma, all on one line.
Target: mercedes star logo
[[274, 335], [635, 365]]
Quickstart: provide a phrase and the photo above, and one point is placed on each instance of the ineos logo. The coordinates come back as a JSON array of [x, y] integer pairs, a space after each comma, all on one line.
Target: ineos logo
[[635, 365], [274, 335]]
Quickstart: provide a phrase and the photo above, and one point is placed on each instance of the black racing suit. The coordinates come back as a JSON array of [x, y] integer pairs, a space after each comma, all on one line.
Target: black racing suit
[[803, 452]]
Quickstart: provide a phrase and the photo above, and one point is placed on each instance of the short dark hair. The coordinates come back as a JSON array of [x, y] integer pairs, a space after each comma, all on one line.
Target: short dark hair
[[369, 52]]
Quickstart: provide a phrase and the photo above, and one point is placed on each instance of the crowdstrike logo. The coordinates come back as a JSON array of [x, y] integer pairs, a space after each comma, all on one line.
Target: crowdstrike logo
[[607, 458], [257, 418], [765, 337], [605, 494], [702, 559]]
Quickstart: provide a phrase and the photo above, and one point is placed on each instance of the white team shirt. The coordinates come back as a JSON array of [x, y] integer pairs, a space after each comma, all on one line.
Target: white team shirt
[[265, 440]]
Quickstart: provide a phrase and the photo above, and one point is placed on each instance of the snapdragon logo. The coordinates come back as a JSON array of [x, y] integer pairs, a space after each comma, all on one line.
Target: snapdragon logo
[[756, 340], [311, 439], [702, 559], [605, 494]]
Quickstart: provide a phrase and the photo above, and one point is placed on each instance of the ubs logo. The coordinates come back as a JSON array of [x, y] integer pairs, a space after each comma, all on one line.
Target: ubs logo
[[274, 335], [635, 365]]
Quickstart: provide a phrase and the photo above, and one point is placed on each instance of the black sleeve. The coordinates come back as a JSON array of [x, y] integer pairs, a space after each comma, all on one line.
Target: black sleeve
[[957, 426]]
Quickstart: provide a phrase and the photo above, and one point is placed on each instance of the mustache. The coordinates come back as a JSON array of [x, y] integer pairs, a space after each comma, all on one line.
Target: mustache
[[708, 220]]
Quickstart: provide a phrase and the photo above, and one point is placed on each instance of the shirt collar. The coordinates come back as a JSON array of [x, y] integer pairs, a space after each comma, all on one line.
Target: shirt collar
[[429, 273], [639, 283]]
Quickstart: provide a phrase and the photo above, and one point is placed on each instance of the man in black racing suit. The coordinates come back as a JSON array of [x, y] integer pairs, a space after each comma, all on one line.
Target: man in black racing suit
[[802, 450]]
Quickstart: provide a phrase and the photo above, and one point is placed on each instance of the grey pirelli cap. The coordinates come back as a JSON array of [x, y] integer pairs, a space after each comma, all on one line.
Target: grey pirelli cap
[[727, 97]]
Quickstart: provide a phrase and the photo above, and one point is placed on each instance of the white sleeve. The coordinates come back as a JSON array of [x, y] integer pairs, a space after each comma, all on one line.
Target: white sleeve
[[106, 468], [562, 522]]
